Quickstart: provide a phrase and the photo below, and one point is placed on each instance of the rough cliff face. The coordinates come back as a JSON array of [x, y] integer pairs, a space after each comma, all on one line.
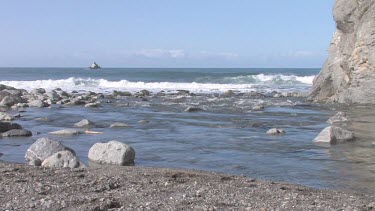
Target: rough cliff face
[[348, 76]]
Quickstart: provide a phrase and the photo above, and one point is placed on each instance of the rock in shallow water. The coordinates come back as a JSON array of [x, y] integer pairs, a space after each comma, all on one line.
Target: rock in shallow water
[[17, 132], [42, 149], [6, 126], [84, 123], [119, 124], [337, 118], [334, 135], [63, 159], [67, 132], [113, 152], [193, 109], [275, 131]]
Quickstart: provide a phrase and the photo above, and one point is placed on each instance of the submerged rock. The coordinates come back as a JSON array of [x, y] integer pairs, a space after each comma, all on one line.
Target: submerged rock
[[84, 123], [113, 152], [67, 132], [143, 121], [42, 149], [334, 135], [17, 132], [275, 131], [119, 124], [63, 159], [337, 118]]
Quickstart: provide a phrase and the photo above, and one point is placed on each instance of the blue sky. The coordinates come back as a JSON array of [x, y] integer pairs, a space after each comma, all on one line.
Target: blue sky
[[165, 33]]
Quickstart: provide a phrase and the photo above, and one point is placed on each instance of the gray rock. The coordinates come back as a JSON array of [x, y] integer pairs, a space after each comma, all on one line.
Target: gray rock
[[76, 101], [337, 118], [17, 132], [113, 152], [63, 159], [9, 101], [6, 126], [42, 149], [5, 117], [67, 132], [119, 124], [258, 108], [38, 91], [275, 131], [84, 123], [348, 76], [92, 105], [22, 105], [119, 93], [37, 103], [193, 109], [334, 135]]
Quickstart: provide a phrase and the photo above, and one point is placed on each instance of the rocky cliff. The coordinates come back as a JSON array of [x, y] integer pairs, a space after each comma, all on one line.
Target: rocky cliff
[[348, 76]]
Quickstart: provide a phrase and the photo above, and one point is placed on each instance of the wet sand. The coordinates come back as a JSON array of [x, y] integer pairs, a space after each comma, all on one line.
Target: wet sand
[[25, 187]]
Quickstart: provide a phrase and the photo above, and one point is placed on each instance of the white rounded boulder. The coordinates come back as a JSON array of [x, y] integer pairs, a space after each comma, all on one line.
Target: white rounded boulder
[[113, 152]]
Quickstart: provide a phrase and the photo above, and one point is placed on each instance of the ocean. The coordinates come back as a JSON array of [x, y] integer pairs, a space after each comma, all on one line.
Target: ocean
[[227, 135]]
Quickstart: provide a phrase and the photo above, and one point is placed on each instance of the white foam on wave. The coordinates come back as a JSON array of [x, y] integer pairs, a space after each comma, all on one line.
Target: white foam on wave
[[270, 79], [103, 85]]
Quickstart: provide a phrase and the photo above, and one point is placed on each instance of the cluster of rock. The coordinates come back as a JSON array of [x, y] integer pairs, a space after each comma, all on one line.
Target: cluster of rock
[[335, 133], [12, 97], [348, 76], [50, 153]]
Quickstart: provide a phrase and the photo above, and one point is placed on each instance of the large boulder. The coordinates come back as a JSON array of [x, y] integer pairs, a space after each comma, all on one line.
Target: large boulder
[[17, 132], [42, 149], [334, 135], [6, 126], [348, 76], [63, 159], [113, 152]]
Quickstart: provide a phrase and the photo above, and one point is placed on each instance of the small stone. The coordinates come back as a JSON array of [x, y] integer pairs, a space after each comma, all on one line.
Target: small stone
[[119, 124], [275, 131], [143, 121], [193, 109]]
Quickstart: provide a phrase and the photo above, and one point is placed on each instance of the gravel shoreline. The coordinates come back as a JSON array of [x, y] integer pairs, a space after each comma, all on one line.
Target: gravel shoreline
[[24, 187]]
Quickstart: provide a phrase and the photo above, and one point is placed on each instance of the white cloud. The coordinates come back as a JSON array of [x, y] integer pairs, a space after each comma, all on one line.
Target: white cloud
[[161, 53]]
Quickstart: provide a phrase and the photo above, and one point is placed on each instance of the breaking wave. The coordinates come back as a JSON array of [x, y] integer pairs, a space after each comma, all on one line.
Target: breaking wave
[[240, 83]]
